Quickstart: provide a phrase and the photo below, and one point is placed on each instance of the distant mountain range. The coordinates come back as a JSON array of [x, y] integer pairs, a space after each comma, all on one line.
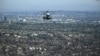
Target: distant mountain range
[[60, 12]]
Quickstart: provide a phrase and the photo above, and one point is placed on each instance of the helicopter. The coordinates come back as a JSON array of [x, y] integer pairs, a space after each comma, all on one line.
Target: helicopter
[[47, 16]]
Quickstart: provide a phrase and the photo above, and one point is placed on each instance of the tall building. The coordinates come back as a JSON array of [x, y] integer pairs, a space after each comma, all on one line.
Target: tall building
[[5, 19]]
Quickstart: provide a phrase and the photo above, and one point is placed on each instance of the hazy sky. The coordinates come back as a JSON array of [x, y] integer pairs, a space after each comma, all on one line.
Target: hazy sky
[[30, 5]]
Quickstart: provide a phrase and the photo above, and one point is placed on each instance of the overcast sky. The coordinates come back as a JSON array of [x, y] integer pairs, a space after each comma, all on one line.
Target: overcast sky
[[31, 5]]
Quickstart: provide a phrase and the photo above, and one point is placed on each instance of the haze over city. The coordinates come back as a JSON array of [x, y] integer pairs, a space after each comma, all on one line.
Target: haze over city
[[49, 27], [33, 5]]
